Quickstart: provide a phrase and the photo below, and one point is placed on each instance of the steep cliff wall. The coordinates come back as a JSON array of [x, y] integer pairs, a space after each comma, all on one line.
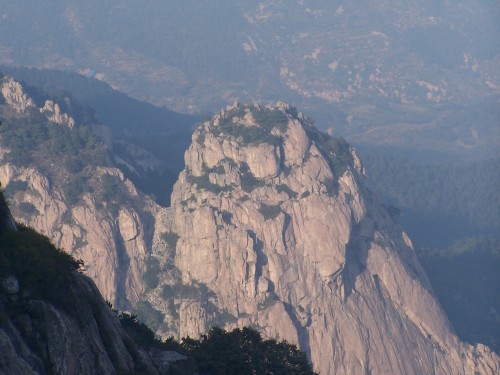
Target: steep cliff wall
[[53, 320], [271, 226], [60, 182]]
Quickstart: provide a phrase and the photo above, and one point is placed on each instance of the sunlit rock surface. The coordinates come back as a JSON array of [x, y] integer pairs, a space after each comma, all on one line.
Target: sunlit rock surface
[[279, 233]]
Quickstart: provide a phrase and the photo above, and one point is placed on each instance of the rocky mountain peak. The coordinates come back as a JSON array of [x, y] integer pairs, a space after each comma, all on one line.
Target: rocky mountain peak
[[271, 227], [18, 99], [14, 95], [266, 143]]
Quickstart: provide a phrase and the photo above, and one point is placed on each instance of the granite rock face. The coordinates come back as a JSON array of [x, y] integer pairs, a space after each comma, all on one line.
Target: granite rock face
[[84, 337], [271, 227], [112, 246], [111, 238]]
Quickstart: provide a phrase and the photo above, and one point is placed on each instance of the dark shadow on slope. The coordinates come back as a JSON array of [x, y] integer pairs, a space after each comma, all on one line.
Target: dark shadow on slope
[[123, 265], [301, 331], [286, 225], [356, 255], [261, 257]]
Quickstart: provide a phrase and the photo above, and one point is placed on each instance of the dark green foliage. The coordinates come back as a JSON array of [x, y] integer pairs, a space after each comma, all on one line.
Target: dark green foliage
[[4, 214], [203, 183], [150, 276], [270, 118], [139, 332], [248, 181], [239, 352], [143, 336], [171, 239], [74, 165], [40, 267], [242, 351], [33, 140], [195, 291], [33, 135], [336, 150], [282, 188], [305, 194], [465, 277], [153, 318], [74, 188], [13, 186], [269, 211], [439, 198], [266, 118], [110, 189]]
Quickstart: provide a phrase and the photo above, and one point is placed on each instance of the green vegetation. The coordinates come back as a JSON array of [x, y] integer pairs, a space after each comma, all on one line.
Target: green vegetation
[[267, 119], [244, 352], [150, 276], [13, 186], [241, 351], [40, 267], [170, 239], [336, 150], [455, 198], [139, 332], [465, 277], [269, 211], [227, 217], [153, 318], [195, 291], [33, 138], [203, 183]]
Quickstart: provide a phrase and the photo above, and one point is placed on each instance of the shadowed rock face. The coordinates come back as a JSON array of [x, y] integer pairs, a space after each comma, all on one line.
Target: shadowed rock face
[[275, 229]]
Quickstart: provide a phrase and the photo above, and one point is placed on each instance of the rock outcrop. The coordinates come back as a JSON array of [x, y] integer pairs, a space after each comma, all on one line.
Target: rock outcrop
[[68, 329], [271, 227], [112, 245], [111, 236], [53, 112], [15, 96]]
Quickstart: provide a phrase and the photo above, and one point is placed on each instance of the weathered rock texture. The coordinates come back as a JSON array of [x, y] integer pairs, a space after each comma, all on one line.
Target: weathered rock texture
[[112, 239], [63, 325], [279, 233], [113, 246], [83, 339]]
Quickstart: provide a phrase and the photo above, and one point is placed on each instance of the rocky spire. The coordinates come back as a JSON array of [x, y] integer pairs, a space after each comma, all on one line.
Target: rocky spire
[[271, 227]]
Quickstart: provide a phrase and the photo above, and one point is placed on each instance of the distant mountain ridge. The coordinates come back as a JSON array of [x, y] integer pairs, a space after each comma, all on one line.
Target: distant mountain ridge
[[404, 69]]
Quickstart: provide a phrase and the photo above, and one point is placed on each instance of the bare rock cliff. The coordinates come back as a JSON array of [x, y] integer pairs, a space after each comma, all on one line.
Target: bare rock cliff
[[271, 227], [112, 245], [89, 209]]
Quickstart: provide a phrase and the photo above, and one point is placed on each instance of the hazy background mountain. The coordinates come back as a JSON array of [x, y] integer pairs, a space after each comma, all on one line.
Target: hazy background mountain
[[414, 86], [423, 75]]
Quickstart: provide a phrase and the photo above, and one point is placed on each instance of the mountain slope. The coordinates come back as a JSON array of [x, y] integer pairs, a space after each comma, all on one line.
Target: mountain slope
[[53, 319], [271, 226], [61, 181], [145, 141]]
